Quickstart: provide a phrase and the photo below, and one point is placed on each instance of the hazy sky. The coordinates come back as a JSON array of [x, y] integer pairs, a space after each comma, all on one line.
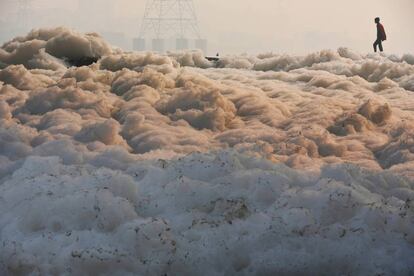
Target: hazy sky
[[252, 26]]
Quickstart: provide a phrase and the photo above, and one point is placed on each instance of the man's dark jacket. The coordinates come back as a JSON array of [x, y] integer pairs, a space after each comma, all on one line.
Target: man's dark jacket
[[381, 35]]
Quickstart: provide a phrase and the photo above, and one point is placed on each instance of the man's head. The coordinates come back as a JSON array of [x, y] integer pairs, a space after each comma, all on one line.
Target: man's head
[[377, 20]]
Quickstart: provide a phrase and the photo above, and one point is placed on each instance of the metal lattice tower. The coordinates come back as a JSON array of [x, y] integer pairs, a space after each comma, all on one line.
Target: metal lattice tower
[[165, 19]]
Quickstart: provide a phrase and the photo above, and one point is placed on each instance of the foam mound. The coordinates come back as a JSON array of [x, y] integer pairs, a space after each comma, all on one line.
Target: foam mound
[[148, 164]]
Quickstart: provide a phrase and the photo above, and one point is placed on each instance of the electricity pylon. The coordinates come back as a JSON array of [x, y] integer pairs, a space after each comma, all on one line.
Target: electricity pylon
[[165, 19]]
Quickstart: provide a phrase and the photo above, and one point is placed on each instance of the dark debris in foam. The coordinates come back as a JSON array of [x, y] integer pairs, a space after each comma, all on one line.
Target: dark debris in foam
[[83, 61]]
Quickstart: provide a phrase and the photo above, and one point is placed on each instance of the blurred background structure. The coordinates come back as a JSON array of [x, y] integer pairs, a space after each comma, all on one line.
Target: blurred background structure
[[169, 24]]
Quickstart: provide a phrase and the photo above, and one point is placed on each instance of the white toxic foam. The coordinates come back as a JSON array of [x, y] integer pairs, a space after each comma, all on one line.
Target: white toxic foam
[[148, 164]]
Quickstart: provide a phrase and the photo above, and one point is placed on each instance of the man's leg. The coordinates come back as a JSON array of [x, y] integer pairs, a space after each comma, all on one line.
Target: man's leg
[[380, 45], [375, 45]]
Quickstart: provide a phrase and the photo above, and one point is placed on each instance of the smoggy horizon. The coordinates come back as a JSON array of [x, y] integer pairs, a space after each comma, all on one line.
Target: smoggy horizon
[[242, 26]]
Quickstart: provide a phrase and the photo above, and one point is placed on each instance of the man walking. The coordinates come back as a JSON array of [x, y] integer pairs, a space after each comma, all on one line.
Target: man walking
[[381, 35]]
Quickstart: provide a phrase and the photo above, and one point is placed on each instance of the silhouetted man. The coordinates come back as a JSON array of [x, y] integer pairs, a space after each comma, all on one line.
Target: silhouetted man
[[381, 36]]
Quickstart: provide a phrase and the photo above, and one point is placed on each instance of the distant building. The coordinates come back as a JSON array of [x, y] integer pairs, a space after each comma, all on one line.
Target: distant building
[[139, 44], [181, 44], [158, 45], [3, 32], [201, 44]]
